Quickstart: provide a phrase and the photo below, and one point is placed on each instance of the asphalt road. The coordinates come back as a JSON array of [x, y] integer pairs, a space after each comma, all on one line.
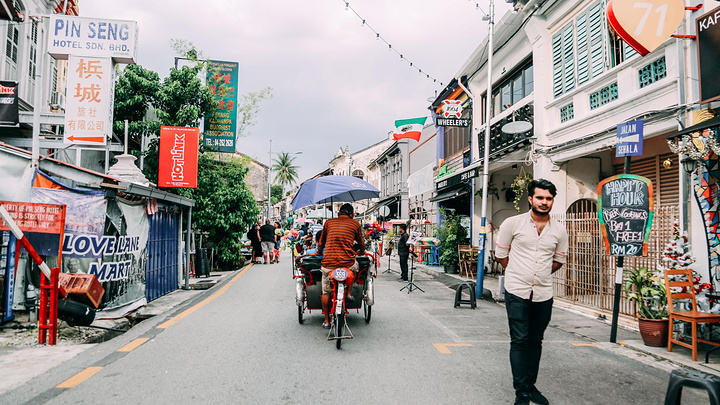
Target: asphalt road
[[240, 342]]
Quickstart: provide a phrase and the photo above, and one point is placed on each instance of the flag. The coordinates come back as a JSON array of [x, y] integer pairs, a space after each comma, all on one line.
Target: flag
[[411, 128]]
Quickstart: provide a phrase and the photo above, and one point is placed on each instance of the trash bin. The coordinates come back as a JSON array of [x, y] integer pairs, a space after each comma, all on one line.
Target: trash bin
[[202, 263]]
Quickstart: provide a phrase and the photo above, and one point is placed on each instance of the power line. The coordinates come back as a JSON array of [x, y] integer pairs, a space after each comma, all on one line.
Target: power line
[[389, 45]]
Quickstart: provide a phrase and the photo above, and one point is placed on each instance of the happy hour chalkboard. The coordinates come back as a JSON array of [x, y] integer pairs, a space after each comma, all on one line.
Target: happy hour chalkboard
[[625, 210]]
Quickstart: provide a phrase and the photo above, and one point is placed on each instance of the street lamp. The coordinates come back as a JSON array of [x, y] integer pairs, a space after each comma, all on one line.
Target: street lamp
[[270, 153]]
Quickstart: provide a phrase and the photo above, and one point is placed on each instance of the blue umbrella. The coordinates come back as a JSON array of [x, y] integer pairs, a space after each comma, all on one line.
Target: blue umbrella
[[330, 189]]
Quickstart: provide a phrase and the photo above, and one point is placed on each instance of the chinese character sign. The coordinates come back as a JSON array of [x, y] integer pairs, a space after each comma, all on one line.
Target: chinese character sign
[[88, 109], [221, 124], [178, 157]]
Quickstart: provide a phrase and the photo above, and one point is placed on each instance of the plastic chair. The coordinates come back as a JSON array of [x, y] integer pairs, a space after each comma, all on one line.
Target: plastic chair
[[695, 379]]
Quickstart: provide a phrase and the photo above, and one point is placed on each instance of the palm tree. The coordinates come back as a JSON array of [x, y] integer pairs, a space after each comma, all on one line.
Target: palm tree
[[286, 172]]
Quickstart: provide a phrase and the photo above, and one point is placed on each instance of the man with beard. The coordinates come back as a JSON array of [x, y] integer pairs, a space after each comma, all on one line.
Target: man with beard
[[530, 246]]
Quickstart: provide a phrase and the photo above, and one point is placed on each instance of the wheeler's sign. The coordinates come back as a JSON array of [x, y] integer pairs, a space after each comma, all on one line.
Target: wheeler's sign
[[114, 39], [625, 210], [178, 157], [452, 122]]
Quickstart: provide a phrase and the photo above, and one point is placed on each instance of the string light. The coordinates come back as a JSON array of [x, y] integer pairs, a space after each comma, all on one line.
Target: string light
[[390, 47]]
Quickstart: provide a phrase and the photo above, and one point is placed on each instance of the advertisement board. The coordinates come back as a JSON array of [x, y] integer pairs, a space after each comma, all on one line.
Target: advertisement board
[[708, 38], [178, 165], [9, 110], [625, 211], [220, 130], [89, 105], [93, 37]]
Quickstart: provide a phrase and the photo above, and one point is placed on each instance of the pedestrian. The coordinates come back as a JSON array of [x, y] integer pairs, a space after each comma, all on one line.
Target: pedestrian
[[278, 235], [255, 243], [403, 252], [530, 246], [267, 239]]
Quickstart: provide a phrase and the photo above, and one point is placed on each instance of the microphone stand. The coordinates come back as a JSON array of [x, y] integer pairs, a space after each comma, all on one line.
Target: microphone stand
[[411, 283]]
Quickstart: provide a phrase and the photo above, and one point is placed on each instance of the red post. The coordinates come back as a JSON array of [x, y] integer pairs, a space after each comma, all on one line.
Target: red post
[[42, 309]]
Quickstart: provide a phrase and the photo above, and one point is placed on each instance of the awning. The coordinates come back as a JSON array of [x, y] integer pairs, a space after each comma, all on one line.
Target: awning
[[449, 194], [713, 122], [381, 203], [8, 12]]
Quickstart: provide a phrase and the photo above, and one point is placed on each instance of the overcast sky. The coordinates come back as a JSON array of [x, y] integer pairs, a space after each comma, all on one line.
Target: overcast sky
[[334, 84]]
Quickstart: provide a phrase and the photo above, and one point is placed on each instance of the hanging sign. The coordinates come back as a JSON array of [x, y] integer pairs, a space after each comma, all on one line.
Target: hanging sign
[[645, 24], [629, 139], [708, 36], [89, 105], [178, 164], [9, 111], [70, 35], [625, 211], [451, 108], [220, 130]]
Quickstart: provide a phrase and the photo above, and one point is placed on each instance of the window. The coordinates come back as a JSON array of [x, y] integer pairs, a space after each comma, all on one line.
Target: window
[[11, 52], [604, 96], [358, 173], [457, 139], [33, 51], [567, 113], [653, 72], [513, 89], [563, 49]]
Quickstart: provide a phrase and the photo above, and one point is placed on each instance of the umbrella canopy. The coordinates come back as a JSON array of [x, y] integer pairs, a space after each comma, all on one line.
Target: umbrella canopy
[[330, 189], [320, 213], [303, 221]]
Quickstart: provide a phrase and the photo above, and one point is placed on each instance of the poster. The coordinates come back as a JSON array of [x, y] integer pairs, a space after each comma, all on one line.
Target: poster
[[178, 166], [221, 124], [9, 110], [625, 211]]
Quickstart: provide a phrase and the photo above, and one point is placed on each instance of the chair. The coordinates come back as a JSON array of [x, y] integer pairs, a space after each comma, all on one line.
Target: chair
[[467, 255], [694, 317], [495, 266]]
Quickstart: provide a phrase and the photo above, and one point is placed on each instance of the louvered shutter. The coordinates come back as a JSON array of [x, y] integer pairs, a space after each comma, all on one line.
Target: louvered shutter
[[568, 46], [557, 64], [628, 51], [583, 64], [595, 32], [666, 182]]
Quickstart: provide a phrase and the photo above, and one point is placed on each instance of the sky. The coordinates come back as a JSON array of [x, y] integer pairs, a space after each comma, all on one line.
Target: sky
[[334, 84]]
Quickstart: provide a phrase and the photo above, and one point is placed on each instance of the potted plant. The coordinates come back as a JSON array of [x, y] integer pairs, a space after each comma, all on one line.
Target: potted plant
[[450, 234], [647, 289], [518, 187]]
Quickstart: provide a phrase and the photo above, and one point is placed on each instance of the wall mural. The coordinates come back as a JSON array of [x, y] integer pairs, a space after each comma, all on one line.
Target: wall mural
[[705, 180]]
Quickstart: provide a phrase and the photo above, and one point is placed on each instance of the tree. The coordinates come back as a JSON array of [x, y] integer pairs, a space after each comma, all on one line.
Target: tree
[[135, 93], [276, 194], [248, 109], [286, 172]]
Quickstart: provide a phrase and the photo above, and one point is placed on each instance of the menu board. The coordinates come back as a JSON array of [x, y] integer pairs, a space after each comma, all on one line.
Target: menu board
[[625, 210]]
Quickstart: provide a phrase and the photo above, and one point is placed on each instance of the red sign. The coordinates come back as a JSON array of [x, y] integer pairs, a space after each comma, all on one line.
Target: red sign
[[645, 24], [35, 218], [178, 157]]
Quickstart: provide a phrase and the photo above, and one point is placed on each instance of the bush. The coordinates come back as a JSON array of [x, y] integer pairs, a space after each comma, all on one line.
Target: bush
[[451, 233]]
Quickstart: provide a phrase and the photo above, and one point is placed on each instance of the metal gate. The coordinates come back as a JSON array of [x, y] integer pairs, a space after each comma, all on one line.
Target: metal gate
[[161, 271]]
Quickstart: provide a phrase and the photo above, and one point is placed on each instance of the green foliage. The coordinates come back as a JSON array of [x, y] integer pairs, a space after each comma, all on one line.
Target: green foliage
[[285, 171], [135, 93], [647, 290], [248, 108], [276, 194], [451, 233], [519, 186]]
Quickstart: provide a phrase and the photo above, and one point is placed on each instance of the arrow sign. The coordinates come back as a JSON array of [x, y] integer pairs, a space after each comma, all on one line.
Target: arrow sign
[[86, 139]]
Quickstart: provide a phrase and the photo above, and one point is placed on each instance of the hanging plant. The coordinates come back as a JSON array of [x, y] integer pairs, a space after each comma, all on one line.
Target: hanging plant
[[518, 186], [492, 190]]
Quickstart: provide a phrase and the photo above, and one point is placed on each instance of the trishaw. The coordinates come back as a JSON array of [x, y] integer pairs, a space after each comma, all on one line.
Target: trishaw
[[308, 279]]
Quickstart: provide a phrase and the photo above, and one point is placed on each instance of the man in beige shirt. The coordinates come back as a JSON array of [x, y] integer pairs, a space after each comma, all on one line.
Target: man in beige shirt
[[530, 247]]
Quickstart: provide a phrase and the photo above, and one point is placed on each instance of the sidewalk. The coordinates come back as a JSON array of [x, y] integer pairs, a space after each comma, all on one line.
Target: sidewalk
[[589, 323]]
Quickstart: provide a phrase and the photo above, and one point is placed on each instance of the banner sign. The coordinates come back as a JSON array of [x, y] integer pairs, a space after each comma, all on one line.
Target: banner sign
[[708, 37], [93, 37], [9, 110], [178, 164], [629, 139], [34, 218], [89, 105], [645, 25], [221, 124], [457, 179], [625, 210], [452, 122]]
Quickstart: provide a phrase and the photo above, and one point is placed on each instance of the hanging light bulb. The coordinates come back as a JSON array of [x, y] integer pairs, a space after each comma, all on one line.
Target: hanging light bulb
[[363, 24], [377, 36], [389, 47], [347, 5], [401, 57]]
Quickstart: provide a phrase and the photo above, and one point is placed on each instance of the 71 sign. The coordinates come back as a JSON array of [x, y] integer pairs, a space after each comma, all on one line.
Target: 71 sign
[[645, 24]]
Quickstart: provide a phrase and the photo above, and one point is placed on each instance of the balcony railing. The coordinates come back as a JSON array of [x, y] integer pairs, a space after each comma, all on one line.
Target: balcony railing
[[501, 142]]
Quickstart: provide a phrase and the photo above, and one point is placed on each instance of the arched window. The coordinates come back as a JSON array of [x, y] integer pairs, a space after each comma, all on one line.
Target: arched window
[[358, 173]]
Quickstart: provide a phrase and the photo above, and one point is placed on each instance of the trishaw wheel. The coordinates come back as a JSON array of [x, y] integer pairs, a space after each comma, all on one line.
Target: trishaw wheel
[[367, 310], [339, 326], [301, 312]]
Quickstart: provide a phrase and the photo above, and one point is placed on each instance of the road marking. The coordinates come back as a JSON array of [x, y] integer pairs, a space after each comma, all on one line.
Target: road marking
[[202, 303], [133, 345], [585, 344], [437, 323], [78, 378], [443, 347], [621, 344]]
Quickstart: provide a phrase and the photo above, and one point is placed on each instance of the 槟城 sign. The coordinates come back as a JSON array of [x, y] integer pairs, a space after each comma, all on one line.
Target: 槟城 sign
[[625, 210]]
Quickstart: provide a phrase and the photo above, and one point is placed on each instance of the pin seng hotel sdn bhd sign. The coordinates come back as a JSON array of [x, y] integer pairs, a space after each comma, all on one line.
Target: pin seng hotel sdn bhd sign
[[625, 210]]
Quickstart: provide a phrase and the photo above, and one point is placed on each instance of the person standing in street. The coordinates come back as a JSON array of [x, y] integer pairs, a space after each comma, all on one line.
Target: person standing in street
[[403, 252], [267, 239], [530, 246], [254, 236]]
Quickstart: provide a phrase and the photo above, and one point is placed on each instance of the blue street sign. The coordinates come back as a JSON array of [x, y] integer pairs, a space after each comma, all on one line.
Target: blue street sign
[[629, 139]]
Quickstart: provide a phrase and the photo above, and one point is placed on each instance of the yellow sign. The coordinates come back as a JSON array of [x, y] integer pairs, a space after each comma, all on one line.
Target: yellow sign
[[645, 24]]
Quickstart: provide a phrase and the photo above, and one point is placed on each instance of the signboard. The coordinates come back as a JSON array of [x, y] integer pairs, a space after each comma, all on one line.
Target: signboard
[[178, 164], [94, 37], [625, 210], [452, 122], [708, 36], [629, 139], [451, 108], [35, 218], [89, 105], [645, 24], [221, 125], [457, 179], [9, 111]]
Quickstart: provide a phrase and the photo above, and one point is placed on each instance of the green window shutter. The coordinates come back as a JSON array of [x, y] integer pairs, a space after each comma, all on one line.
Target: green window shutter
[[628, 51], [583, 72], [596, 31], [557, 64], [568, 46]]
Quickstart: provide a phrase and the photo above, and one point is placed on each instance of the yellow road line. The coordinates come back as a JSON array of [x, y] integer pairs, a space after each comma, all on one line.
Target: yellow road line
[[78, 378], [202, 303], [585, 344], [443, 347], [133, 345], [621, 344]]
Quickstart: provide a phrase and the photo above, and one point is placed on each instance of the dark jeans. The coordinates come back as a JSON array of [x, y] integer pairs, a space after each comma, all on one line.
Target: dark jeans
[[404, 265], [527, 321]]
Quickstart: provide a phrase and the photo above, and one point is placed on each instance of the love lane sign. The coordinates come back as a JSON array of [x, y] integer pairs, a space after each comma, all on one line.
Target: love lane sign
[[645, 24]]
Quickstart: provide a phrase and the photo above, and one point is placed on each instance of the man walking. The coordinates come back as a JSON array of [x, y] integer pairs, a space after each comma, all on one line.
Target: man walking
[[267, 239], [403, 253], [530, 247]]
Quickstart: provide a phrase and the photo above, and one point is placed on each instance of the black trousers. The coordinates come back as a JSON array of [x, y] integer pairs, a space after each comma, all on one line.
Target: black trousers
[[404, 265], [528, 321]]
